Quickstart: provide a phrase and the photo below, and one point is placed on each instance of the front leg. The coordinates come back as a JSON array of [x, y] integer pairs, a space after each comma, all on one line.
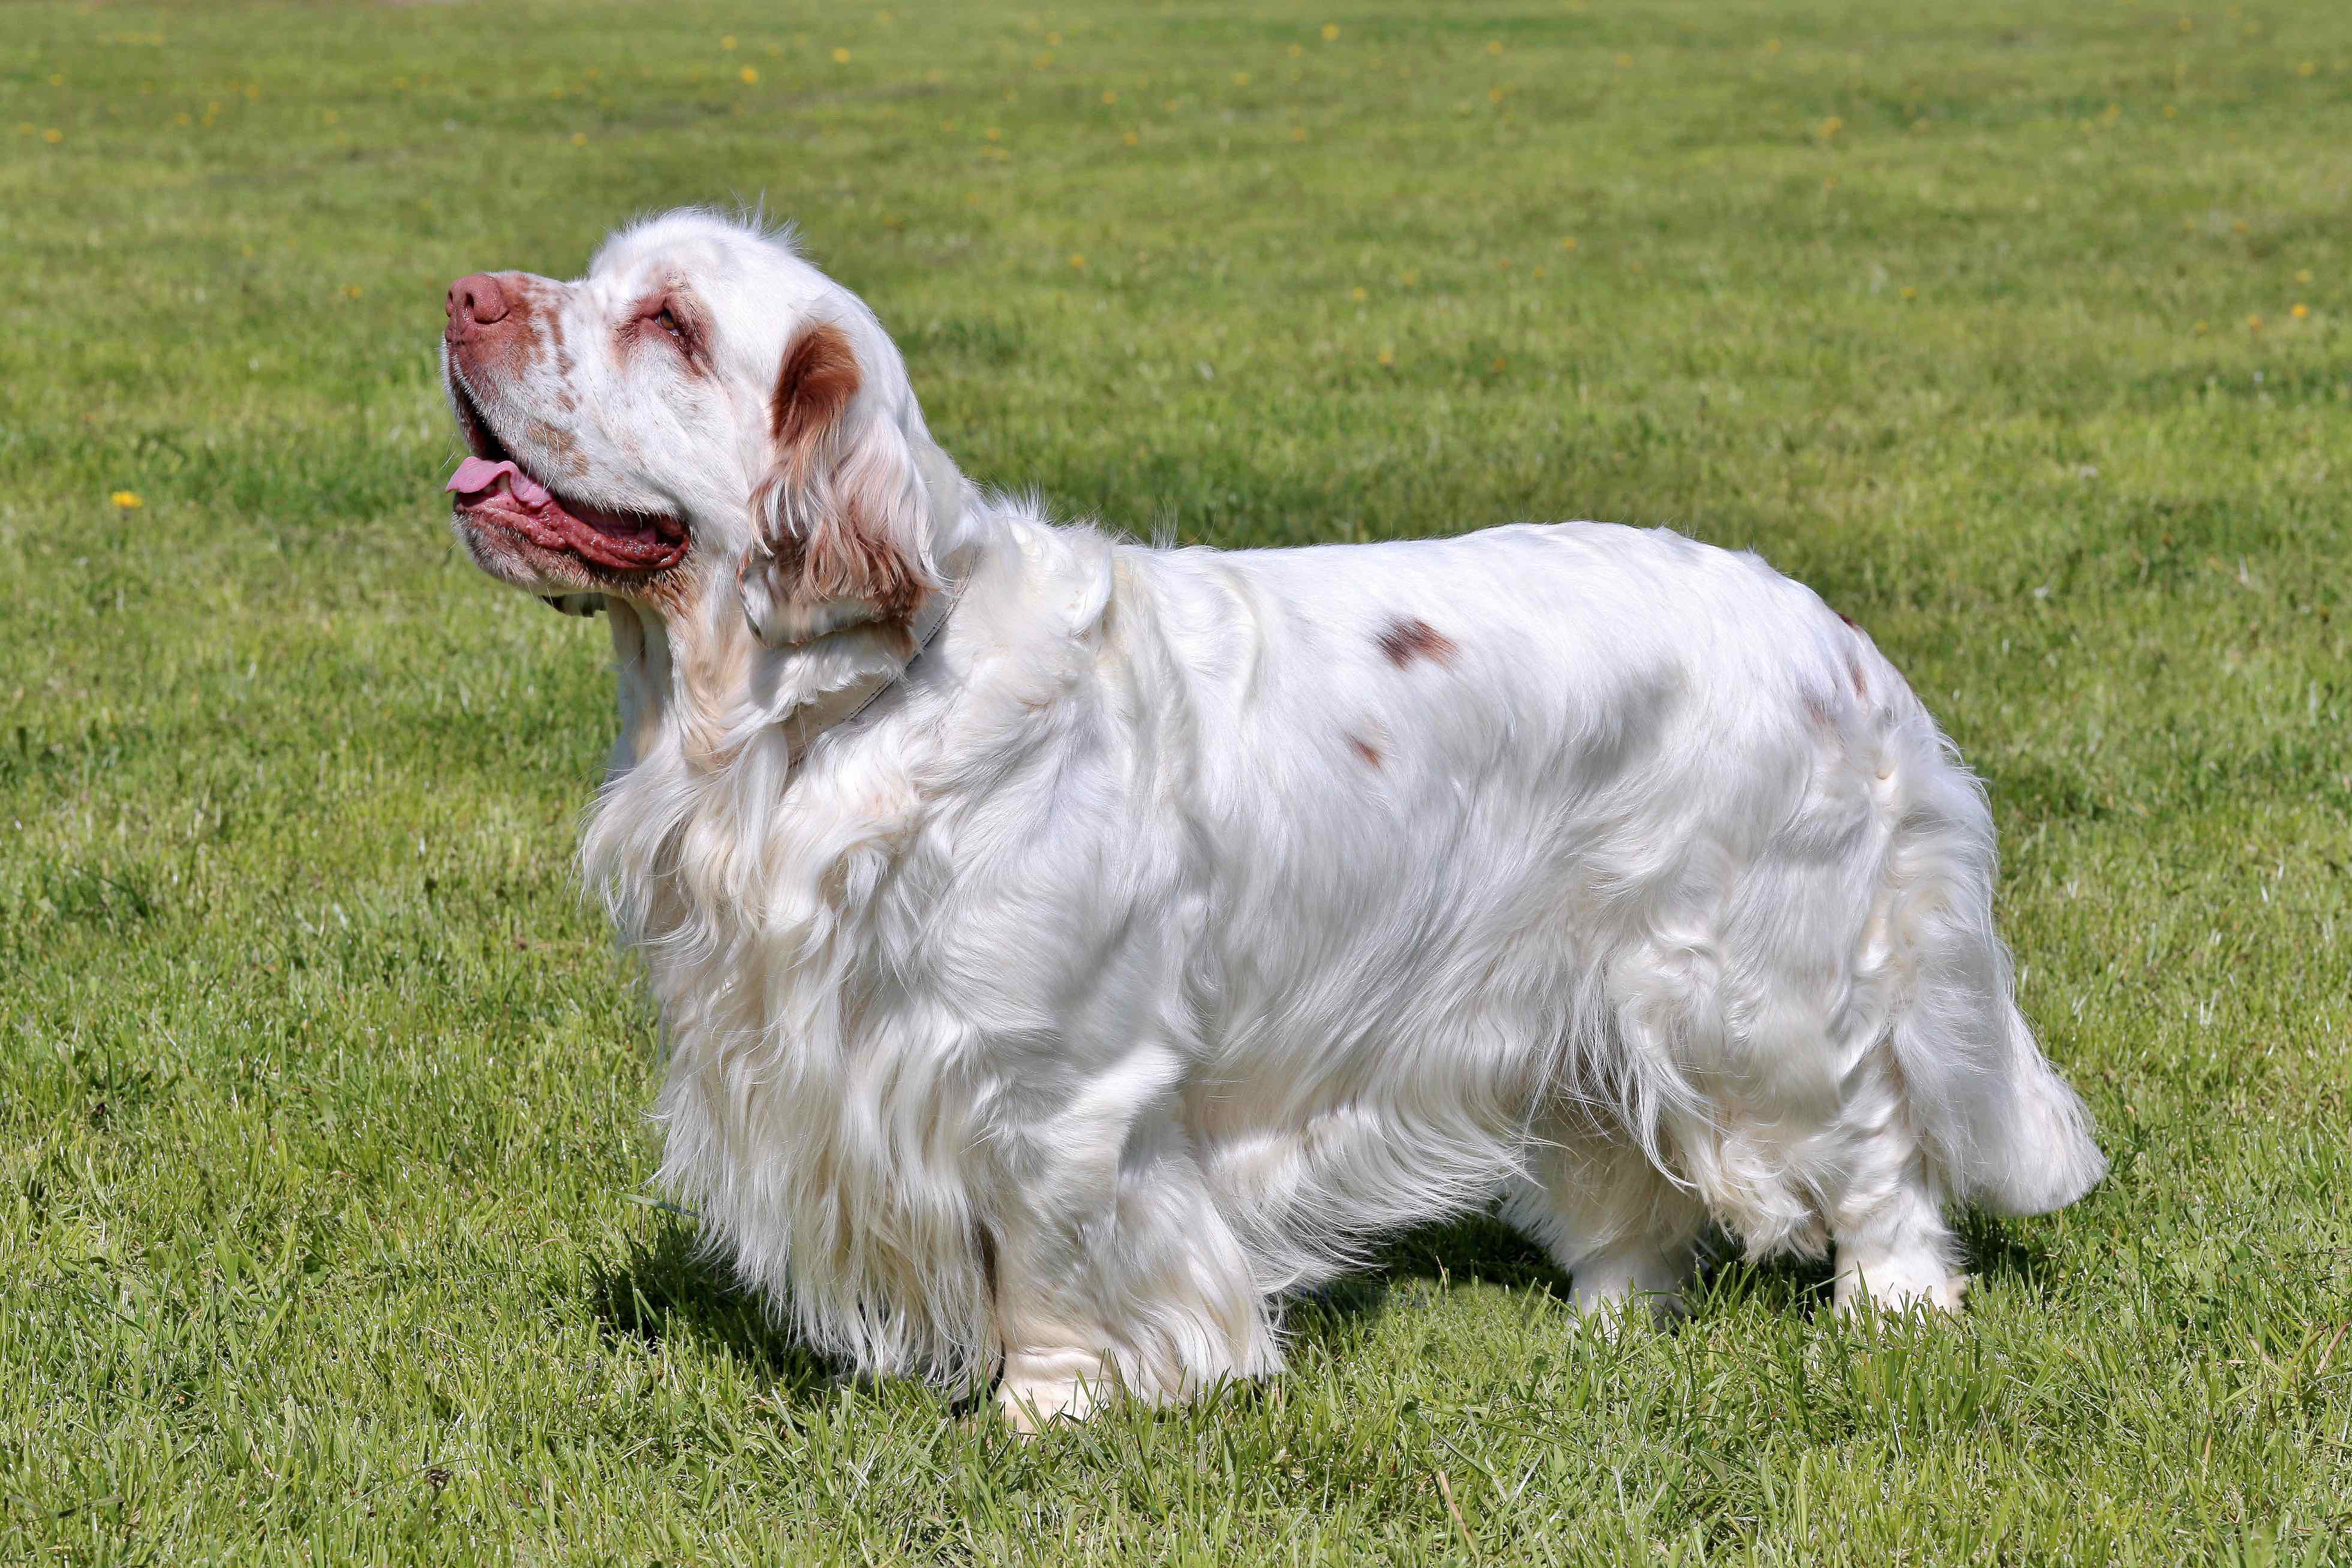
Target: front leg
[[1115, 1271]]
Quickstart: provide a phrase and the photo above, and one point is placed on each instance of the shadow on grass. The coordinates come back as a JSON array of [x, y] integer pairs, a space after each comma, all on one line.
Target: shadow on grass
[[665, 1292], [1481, 1250]]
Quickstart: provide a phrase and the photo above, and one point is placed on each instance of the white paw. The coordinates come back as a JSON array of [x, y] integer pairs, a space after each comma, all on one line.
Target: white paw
[[1608, 1292], [1058, 1385], [1895, 1289]]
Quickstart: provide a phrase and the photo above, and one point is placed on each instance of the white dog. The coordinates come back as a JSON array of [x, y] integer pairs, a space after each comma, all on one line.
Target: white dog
[[1066, 946]]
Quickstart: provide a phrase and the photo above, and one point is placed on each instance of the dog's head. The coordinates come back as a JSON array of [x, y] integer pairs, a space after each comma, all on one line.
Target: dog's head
[[703, 413]]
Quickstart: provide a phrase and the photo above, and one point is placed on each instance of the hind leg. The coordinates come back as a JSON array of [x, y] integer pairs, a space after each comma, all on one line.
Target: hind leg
[[1894, 1250], [1622, 1232]]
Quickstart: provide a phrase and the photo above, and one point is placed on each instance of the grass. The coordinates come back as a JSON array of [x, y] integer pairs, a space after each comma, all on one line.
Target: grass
[[321, 1160]]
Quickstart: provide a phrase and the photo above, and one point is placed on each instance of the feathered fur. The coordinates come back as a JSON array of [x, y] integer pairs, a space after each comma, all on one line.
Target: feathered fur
[[1181, 918]]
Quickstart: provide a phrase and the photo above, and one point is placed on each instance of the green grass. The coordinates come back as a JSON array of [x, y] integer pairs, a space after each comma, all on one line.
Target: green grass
[[322, 1233]]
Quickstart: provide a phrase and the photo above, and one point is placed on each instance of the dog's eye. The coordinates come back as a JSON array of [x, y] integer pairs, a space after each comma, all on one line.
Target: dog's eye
[[668, 323]]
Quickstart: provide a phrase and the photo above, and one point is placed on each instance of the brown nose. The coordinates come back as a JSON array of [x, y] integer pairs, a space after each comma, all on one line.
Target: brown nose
[[475, 301]]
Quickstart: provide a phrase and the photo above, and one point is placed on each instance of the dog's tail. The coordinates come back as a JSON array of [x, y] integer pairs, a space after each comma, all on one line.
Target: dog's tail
[[2009, 1133]]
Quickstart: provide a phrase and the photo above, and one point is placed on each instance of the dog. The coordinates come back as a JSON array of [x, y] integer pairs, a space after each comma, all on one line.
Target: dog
[[1065, 948]]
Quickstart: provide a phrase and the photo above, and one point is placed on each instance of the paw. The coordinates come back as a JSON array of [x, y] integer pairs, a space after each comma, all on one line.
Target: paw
[[1610, 1292], [1897, 1291], [1039, 1389]]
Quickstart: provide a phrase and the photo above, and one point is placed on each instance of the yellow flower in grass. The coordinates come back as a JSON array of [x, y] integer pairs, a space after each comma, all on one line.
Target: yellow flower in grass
[[1078, 262], [1568, 243], [2301, 311], [2253, 323], [1388, 356], [1330, 32], [53, 136], [128, 500], [2303, 275], [841, 56]]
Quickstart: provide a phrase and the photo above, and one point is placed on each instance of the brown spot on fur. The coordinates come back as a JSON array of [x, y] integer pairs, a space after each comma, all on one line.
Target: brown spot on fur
[[1848, 620], [560, 447], [1407, 639], [1366, 749], [818, 379]]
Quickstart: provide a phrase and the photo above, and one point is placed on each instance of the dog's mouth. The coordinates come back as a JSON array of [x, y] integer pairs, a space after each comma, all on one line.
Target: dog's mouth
[[493, 490]]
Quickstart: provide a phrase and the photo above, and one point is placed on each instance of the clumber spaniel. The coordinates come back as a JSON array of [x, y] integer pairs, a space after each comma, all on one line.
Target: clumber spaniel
[[1065, 948]]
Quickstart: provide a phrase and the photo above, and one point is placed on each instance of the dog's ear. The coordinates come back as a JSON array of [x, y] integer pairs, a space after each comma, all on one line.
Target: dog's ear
[[839, 516]]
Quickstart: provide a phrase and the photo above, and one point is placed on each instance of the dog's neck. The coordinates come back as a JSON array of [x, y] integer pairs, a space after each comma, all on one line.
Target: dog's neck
[[691, 670]]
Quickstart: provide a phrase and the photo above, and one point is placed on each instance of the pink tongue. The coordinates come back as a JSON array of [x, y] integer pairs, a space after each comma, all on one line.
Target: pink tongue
[[477, 474]]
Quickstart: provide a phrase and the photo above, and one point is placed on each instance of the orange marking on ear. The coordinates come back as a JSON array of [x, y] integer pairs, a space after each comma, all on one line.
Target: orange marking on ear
[[818, 379]]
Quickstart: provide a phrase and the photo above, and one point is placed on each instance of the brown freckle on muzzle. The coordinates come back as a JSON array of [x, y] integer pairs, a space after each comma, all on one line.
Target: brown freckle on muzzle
[[1366, 749], [1407, 639]]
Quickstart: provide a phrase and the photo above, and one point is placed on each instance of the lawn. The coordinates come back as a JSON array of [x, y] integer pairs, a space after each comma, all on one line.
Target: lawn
[[2018, 330]]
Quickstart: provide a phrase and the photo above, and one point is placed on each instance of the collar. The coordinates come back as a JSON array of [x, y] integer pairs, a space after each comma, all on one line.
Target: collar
[[805, 726]]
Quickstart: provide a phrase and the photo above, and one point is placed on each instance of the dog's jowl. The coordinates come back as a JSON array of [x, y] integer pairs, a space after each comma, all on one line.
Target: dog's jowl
[[1066, 946]]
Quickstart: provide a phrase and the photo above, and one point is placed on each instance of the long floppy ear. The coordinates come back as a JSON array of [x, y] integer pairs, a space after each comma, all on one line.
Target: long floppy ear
[[839, 516]]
